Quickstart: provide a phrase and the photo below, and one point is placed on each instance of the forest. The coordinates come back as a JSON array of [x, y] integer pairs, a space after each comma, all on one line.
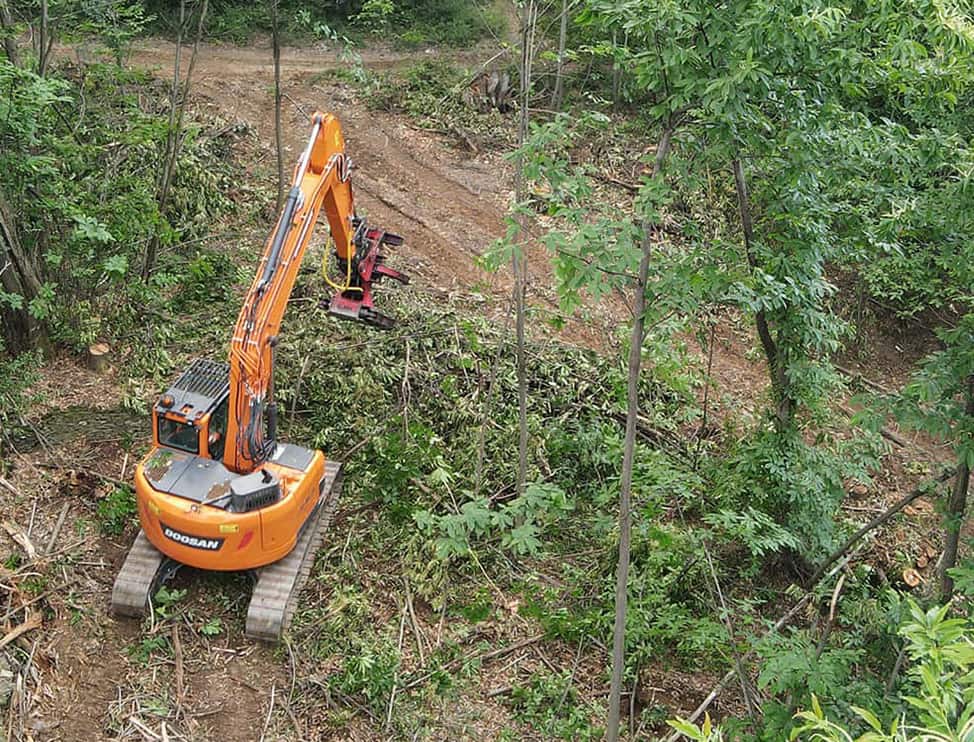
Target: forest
[[671, 437]]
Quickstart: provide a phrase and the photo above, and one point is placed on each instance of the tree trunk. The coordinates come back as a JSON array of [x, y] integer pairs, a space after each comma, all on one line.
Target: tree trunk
[[177, 108], [18, 275], [956, 507], [776, 367], [45, 41], [278, 133], [152, 248], [98, 357], [651, 235], [615, 74], [7, 25], [560, 68], [16, 322], [520, 257], [22, 264]]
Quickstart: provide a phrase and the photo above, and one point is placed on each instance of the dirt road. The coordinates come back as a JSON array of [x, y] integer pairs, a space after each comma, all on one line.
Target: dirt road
[[448, 208]]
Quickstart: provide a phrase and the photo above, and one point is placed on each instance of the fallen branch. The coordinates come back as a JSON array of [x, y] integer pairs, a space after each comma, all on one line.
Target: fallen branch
[[892, 437], [33, 621], [749, 702], [142, 728], [417, 633], [923, 489], [177, 648], [654, 435], [34, 562], [464, 138], [631, 187], [395, 685], [270, 711], [61, 588], [485, 657], [884, 431], [827, 631], [857, 376], [57, 528], [290, 694], [18, 535]]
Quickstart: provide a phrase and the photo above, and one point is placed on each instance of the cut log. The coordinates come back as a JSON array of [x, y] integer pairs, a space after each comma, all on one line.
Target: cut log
[[98, 357]]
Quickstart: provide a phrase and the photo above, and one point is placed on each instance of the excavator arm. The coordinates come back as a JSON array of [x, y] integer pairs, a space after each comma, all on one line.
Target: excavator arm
[[321, 180]]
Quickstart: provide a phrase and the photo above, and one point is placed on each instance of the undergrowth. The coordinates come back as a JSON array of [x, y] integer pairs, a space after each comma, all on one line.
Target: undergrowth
[[436, 95], [408, 23]]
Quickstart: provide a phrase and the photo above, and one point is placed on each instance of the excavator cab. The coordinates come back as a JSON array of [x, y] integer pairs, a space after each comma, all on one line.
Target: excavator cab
[[177, 433], [192, 415]]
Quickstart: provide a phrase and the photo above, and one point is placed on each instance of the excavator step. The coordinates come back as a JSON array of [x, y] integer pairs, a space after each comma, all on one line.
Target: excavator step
[[279, 584]]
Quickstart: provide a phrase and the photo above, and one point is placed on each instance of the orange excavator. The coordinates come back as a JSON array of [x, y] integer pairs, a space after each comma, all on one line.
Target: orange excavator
[[218, 490]]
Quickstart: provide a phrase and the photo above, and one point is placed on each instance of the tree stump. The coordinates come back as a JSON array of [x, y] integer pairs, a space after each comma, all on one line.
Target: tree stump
[[98, 356]]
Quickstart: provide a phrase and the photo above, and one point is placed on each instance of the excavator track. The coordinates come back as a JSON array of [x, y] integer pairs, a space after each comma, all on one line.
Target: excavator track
[[279, 584], [144, 570]]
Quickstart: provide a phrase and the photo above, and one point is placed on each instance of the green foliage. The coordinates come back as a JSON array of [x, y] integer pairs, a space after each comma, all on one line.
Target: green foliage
[[824, 187], [455, 23], [792, 666], [754, 529], [212, 627], [549, 703], [705, 732], [165, 600], [434, 92], [86, 201], [148, 646], [116, 511], [519, 522], [16, 375], [115, 22], [375, 16], [369, 672], [209, 277], [941, 705], [799, 485], [237, 23]]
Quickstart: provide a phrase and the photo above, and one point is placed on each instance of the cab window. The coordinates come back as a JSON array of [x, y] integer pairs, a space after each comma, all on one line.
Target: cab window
[[179, 435], [218, 430]]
